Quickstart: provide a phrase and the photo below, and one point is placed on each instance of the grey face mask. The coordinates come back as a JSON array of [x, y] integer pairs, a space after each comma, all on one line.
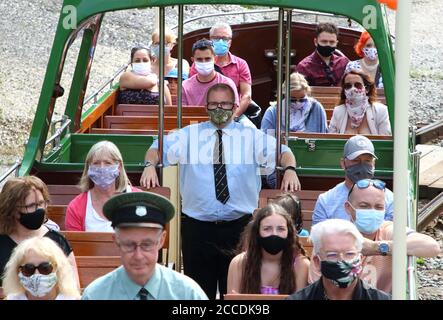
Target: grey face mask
[[359, 171]]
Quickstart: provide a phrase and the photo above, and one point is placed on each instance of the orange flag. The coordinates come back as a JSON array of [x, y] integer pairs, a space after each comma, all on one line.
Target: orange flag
[[392, 4]]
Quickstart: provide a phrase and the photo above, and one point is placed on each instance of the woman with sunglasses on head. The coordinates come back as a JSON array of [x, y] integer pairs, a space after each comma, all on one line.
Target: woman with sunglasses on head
[[305, 113], [104, 176], [359, 112], [39, 270], [140, 85], [23, 203], [365, 48]]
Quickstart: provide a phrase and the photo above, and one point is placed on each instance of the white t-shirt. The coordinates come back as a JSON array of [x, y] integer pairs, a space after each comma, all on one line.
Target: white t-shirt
[[93, 221]]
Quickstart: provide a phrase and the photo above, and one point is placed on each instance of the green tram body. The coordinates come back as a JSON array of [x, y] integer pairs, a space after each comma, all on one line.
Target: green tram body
[[318, 158], [318, 163]]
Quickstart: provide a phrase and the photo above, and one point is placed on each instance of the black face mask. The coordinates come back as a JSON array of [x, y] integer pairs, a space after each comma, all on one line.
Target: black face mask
[[33, 220], [272, 244], [359, 171], [325, 51]]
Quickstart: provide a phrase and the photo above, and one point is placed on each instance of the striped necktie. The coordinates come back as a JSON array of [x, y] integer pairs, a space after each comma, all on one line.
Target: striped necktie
[[143, 294], [220, 179]]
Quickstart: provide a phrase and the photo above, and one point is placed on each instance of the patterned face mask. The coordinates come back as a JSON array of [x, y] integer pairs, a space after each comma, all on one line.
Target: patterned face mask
[[38, 284], [370, 53], [220, 116], [342, 273], [103, 177], [356, 105]]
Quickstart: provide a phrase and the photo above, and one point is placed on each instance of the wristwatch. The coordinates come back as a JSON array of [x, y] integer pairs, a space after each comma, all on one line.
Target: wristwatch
[[148, 164], [383, 248], [289, 168]]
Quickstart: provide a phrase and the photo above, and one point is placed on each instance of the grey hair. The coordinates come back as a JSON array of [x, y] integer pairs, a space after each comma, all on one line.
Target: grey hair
[[334, 226], [220, 25]]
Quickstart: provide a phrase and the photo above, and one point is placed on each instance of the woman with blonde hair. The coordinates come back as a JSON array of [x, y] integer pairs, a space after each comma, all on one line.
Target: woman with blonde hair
[[103, 176], [305, 113], [23, 203], [274, 261], [171, 67], [39, 270]]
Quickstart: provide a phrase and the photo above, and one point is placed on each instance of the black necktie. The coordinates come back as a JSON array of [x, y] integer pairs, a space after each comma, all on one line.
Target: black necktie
[[220, 179], [143, 294]]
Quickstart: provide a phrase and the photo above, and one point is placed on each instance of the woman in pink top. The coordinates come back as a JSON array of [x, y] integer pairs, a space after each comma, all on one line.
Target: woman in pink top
[[274, 261], [103, 176]]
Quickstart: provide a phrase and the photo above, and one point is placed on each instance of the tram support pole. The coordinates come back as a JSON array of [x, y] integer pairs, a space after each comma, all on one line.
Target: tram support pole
[[401, 133]]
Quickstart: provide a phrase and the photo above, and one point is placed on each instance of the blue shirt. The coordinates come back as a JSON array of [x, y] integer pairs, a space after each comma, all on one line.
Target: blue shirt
[[246, 149], [315, 122], [165, 284], [331, 204]]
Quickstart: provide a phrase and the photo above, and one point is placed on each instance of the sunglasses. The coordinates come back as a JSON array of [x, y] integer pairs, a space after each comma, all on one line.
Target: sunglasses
[[43, 268], [329, 75], [301, 100], [365, 183], [357, 85]]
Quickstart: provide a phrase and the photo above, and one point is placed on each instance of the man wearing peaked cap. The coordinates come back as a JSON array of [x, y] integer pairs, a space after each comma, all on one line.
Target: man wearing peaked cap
[[358, 162], [139, 220]]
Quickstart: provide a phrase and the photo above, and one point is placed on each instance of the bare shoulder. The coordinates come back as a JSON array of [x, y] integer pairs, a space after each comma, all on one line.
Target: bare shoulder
[[301, 262]]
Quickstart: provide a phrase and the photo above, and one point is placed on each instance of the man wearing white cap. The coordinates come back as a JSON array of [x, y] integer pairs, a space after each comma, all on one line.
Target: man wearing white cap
[[359, 163]]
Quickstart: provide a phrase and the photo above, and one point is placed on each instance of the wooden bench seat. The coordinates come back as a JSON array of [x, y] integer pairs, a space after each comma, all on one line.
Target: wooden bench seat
[[62, 194], [92, 267], [152, 110], [148, 122]]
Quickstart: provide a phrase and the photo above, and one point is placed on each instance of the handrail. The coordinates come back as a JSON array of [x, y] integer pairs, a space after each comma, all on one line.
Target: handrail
[[10, 170], [56, 136], [109, 82], [218, 14]]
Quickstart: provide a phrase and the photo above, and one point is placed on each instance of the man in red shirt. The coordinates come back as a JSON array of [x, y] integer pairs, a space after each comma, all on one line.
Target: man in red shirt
[[324, 67]]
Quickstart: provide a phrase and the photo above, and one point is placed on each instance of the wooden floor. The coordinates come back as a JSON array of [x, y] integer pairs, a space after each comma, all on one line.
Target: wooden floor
[[431, 166]]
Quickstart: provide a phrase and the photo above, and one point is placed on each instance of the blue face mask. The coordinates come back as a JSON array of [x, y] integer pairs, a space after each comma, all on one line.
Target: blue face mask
[[220, 47], [155, 50], [368, 221]]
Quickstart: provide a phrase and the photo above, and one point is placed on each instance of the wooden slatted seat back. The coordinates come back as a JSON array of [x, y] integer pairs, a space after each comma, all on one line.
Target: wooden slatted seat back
[[152, 110], [85, 243], [63, 194], [251, 296], [126, 131], [148, 122], [92, 267], [57, 213]]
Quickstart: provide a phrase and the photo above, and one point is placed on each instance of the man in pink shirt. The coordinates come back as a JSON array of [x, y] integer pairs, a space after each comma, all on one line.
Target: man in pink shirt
[[231, 66], [194, 89]]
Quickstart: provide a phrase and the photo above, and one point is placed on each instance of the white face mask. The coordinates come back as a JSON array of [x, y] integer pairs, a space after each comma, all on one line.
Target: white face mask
[[356, 105], [141, 68], [39, 285], [370, 53], [204, 68]]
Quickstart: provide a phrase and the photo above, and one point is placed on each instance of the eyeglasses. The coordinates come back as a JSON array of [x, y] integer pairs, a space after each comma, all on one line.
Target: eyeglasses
[[357, 85], [335, 256], [202, 44], [129, 247], [44, 268], [34, 206], [226, 39], [225, 105], [365, 183]]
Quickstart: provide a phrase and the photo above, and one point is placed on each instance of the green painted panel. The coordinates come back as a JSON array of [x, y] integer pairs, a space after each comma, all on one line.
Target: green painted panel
[[327, 153], [132, 147]]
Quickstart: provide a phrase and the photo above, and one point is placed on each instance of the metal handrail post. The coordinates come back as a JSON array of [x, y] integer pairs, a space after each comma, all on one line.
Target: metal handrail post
[[279, 92], [161, 89]]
